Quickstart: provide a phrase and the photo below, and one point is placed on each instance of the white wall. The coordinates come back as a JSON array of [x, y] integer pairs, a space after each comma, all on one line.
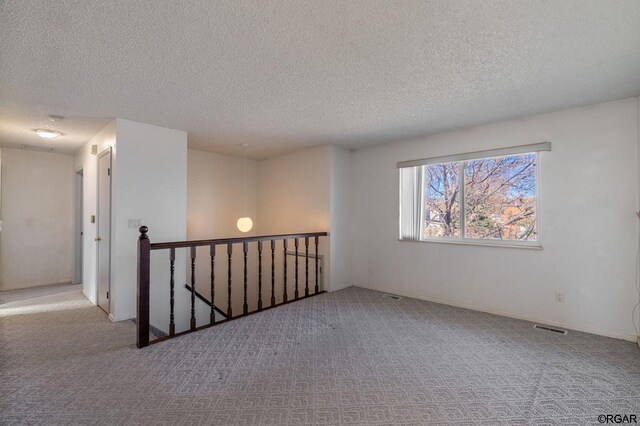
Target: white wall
[[588, 230], [340, 218], [637, 317], [0, 192], [36, 237], [88, 163], [149, 182]]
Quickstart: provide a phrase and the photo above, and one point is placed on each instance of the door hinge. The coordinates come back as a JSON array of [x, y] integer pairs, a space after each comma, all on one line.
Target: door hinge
[[107, 295], [109, 171]]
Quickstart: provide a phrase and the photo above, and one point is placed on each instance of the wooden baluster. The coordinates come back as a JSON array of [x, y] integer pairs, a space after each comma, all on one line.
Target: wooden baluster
[[193, 288], [172, 284], [317, 260], [245, 306], [259, 275], [306, 266], [229, 252], [144, 255], [284, 296], [273, 273], [296, 281], [144, 274], [212, 314]]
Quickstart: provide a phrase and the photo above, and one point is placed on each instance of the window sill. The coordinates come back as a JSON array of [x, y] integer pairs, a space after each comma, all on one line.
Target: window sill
[[500, 243]]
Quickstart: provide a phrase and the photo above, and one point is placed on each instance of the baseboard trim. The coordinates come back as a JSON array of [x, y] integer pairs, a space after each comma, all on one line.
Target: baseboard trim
[[10, 287], [340, 288], [125, 317], [88, 297], [562, 324]]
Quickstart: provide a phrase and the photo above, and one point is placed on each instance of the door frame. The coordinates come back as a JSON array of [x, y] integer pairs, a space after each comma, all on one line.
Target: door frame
[[78, 226], [106, 152]]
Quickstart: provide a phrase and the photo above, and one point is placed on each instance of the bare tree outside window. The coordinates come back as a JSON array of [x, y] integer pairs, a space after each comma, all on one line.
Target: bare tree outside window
[[442, 200], [499, 199]]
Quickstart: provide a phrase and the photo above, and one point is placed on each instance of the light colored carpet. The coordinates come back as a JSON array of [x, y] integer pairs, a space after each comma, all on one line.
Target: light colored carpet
[[350, 357]]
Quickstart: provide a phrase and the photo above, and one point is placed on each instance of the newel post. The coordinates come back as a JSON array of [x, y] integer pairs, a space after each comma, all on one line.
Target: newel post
[[144, 268]]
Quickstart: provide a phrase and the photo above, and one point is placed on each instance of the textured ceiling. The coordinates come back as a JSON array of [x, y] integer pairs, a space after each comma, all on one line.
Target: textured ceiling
[[285, 74]]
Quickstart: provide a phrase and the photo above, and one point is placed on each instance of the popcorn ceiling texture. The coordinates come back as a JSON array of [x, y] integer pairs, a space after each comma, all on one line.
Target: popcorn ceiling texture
[[287, 74], [349, 357]]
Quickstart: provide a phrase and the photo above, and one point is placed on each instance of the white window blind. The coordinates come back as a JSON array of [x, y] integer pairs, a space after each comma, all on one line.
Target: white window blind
[[500, 152], [411, 206]]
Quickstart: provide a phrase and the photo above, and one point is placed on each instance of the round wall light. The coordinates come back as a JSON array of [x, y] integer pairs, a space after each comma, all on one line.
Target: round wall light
[[245, 224]]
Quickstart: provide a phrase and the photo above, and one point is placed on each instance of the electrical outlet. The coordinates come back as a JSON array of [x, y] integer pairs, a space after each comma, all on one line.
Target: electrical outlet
[[559, 296]]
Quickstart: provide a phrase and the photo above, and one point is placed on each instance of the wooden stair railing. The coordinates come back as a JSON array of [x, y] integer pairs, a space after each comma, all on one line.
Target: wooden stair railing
[[207, 302], [145, 247]]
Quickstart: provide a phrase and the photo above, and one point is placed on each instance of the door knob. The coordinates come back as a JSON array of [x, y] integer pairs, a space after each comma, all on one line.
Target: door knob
[[98, 239]]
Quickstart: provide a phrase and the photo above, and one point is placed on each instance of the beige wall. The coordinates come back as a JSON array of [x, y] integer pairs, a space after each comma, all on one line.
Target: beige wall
[[308, 191], [215, 187], [294, 191], [294, 197], [214, 204], [36, 246]]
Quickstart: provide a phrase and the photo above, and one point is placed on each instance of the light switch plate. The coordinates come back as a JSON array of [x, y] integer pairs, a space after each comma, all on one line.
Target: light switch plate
[[134, 223]]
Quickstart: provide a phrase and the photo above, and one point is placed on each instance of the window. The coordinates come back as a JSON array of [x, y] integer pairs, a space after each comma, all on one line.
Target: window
[[491, 198], [441, 200]]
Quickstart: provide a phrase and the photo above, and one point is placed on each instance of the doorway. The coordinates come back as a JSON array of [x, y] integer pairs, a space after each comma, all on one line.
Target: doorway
[[78, 226], [103, 230]]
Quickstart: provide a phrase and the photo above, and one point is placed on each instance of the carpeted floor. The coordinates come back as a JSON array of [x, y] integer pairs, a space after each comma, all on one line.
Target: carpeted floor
[[350, 357]]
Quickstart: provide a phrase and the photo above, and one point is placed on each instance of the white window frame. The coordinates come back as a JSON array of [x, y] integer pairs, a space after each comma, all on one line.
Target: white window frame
[[462, 159]]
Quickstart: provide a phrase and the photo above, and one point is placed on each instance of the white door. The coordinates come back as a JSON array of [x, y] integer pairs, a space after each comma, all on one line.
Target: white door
[[79, 228], [103, 227]]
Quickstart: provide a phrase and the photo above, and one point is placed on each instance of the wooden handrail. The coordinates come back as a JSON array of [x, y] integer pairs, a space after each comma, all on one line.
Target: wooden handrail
[[237, 240], [144, 275]]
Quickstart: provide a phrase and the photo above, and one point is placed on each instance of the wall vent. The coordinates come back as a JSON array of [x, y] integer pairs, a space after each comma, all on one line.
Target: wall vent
[[551, 329], [391, 296], [36, 148]]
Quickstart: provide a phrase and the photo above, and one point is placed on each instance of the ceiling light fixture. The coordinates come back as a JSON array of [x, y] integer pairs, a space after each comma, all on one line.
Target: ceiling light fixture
[[47, 134]]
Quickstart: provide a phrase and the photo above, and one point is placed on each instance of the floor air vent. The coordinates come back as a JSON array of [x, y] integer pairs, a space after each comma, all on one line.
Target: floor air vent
[[551, 329], [391, 296]]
